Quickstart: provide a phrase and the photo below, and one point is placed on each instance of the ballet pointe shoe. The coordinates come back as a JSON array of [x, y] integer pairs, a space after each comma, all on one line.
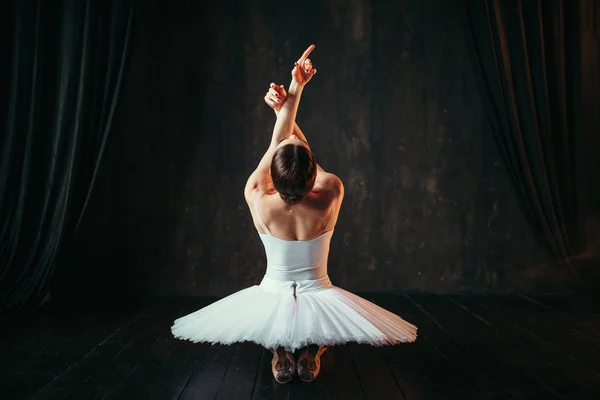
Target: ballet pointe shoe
[[283, 365], [309, 363]]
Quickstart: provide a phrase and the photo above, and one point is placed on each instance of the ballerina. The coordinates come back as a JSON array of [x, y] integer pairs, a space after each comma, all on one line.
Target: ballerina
[[295, 205]]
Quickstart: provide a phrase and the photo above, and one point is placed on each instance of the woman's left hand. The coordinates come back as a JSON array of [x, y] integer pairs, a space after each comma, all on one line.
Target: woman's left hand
[[276, 96]]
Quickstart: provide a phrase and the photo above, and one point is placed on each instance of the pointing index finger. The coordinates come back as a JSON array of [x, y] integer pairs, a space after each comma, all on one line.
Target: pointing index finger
[[306, 53]]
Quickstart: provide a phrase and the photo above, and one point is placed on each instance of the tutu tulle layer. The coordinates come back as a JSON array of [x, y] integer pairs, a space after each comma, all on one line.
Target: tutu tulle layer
[[288, 315]]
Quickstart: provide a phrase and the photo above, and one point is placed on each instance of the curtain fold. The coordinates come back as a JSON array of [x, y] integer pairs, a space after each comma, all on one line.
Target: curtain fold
[[65, 74], [527, 59]]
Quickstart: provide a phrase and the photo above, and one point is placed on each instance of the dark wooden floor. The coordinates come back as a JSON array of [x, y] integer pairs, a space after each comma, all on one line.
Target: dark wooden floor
[[469, 347]]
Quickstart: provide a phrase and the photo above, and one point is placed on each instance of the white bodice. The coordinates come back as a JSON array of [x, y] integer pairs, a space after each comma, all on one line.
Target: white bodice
[[296, 260]]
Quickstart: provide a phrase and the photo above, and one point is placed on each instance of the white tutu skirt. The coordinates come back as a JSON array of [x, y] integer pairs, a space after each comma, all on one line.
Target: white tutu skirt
[[294, 314]]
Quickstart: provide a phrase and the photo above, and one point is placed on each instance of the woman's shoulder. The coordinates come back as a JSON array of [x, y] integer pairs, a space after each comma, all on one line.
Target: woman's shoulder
[[255, 191], [328, 189], [330, 182]]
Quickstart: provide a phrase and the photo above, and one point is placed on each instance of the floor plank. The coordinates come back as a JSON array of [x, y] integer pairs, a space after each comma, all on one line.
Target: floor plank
[[468, 347], [68, 381], [55, 347], [551, 331], [164, 368], [582, 313], [129, 353], [494, 354], [554, 328], [238, 381], [587, 380], [376, 379], [206, 380], [338, 380], [432, 367]]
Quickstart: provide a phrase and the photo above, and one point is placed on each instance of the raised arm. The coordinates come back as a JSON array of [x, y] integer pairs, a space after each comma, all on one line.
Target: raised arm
[[286, 119], [284, 126], [275, 98]]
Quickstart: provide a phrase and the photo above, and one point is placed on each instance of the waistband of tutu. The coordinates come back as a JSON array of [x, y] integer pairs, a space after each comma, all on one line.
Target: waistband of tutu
[[300, 286], [295, 273]]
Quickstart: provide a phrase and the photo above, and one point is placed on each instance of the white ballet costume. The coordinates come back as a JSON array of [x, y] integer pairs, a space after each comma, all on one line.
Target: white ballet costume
[[295, 305]]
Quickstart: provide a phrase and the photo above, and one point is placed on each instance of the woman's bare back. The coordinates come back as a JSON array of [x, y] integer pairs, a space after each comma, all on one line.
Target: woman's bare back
[[309, 219]]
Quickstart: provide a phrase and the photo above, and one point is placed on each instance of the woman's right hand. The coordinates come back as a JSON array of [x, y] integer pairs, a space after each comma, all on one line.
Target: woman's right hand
[[275, 97], [303, 69]]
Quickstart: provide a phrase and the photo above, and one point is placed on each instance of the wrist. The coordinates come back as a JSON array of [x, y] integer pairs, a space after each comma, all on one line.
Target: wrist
[[295, 88]]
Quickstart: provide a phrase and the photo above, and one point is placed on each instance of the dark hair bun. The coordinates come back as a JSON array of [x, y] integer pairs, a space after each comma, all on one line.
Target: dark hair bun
[[293, 170]]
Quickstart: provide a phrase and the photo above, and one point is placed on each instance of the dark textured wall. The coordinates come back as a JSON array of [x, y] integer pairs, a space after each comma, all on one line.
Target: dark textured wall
[[394, 111]]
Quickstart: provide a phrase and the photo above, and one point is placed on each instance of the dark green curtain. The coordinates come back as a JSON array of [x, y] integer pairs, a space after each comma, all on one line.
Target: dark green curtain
[[527, 55], [63, 68]]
